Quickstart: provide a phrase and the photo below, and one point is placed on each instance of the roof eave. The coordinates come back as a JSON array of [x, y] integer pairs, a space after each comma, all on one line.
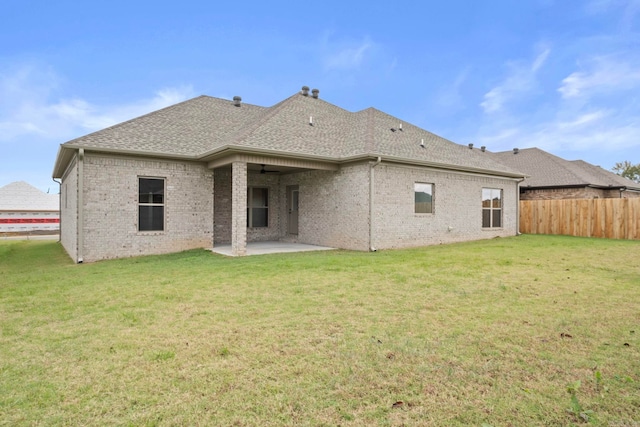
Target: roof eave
[[65, 154], [452, 167]]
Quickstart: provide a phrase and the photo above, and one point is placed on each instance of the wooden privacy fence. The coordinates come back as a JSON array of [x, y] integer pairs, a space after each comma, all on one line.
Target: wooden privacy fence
[[609, 218]]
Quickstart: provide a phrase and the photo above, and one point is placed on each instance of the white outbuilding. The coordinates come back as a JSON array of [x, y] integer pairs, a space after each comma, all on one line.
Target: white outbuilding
[[24, 208]]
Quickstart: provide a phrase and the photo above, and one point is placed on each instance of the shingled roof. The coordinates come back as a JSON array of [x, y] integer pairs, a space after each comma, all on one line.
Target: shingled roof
[[204, 128], [548, 171]]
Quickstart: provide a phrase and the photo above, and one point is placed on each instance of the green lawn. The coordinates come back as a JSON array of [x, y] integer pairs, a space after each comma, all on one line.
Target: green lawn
[[525, 331]]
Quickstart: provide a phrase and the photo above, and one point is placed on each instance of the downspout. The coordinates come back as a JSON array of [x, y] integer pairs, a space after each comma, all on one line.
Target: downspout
[[371, 192], [80, 225], [59, 209], [518, 207]]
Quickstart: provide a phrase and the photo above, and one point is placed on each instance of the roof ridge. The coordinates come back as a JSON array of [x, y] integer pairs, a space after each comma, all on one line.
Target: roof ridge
[[244, 133], [564, 164]]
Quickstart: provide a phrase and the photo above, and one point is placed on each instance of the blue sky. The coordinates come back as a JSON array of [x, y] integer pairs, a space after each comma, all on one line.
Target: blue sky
[[560, 75]]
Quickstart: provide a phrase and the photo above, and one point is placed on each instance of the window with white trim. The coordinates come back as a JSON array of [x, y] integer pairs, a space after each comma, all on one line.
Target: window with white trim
[[491, 208], [150, 204], [257, 207], [423, 195]]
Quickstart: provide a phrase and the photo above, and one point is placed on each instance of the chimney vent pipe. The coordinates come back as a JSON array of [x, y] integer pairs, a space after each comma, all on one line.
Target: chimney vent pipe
[[471, 146], [315, 93], [305, 91], [237, 101], [483, 148]]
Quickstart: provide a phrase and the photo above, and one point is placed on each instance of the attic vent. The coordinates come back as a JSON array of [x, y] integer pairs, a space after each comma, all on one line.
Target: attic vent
[[483, 148], [305, 91], [516, 150], [315, 93], [237, 101], [471, 146]]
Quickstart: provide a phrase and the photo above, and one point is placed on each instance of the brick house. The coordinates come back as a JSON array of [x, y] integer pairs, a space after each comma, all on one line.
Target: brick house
[[551, 177], [209, 172]]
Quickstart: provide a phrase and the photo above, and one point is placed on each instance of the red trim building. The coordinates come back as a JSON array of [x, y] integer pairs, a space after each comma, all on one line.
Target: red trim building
[[24, 209]]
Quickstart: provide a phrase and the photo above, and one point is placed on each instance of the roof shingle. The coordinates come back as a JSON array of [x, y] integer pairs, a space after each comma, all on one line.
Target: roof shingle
[[547, 170], [201, 126]]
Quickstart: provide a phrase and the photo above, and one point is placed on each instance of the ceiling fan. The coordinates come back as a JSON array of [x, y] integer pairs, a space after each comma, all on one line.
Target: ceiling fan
[[263, 170]]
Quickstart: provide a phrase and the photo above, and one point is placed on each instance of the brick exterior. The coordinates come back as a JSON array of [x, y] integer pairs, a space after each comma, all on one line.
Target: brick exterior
[[238, 208], [334, 207], [201, 204], [457, 213], [69, 210], [111, 207], [575, 193], [222, 211]]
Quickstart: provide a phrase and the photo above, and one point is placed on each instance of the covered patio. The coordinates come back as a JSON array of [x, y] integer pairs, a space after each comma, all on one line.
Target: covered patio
[[263, 248]]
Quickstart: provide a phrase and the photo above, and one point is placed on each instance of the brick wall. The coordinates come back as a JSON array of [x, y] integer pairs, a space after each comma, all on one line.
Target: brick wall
[[222, 211], [457, 205], [111, 207], [567, 193], [69, 210], [333, 207], [222, 206]]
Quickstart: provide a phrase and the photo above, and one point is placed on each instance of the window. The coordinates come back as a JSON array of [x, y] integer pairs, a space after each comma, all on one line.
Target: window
[[150, 204], [491, 208], [257, 207], [423, 197]]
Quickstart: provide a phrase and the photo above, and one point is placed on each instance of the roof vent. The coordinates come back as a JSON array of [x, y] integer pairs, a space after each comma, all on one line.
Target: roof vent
[[471, 146], [305, 91], [516, 150], [483, 148], [315, 93], [237, 101], [400, 127], [422, 143]]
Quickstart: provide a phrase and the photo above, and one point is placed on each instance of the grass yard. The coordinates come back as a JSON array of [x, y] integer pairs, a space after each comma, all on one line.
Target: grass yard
[[526, 331]]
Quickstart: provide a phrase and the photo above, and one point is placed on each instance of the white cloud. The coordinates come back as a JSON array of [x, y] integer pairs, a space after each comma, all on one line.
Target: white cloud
[[520, 80], [603, 74], [344, 55], [449, 97], [595, 116], [628, 10], [29, 107]]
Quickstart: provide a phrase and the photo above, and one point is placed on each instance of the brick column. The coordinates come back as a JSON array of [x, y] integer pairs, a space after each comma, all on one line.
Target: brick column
[[238, 208]]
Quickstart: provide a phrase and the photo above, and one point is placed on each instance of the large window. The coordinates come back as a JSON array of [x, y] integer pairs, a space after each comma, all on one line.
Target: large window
[[150, 204], [491, 208], [257, 207], [423, 197]]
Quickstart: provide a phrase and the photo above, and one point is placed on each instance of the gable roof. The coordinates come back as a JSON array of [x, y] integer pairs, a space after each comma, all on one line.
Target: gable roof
[[547, 170], [204, 128], [21, 196]]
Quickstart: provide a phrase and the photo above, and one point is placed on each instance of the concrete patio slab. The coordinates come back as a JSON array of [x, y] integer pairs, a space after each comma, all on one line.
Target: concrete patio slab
[[262, 248]]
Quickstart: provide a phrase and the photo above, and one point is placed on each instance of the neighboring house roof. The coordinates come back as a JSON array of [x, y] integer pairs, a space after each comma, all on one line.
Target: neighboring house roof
[[546, 171], [21, 196], [205, 128]]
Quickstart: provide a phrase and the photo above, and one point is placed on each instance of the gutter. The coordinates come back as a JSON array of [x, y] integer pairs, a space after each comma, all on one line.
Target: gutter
[[63, 157], [80, 225], [518, 233], [371, 193], [59, 209]]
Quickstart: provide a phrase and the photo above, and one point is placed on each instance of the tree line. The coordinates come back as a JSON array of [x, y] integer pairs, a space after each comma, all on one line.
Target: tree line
[[628, 170]]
